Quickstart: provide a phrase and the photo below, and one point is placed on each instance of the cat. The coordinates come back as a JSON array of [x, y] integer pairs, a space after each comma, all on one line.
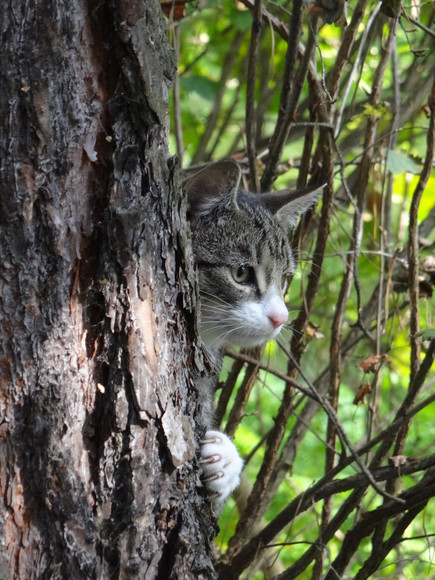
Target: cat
[[244, 259]]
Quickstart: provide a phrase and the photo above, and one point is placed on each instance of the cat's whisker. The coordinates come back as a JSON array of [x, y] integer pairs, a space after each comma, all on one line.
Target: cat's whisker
[[217, 313], [208, 307], [212, 327], [292, 310], [223, 335], [290, 328], [217, 303], [215, 298], [208, 311]]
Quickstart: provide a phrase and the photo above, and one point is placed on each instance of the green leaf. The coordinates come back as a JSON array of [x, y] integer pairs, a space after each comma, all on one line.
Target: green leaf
[[399, 162], [376, 111], [242, 20], [203, 86], [428, 334]]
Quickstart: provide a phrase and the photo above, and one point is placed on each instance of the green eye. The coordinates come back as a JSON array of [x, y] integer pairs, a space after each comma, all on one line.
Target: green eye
[[241, 274]]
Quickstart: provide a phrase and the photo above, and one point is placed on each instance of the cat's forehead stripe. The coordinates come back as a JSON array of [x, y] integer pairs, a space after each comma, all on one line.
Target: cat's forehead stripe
[[266, 232], [275, 249], [261, 280]]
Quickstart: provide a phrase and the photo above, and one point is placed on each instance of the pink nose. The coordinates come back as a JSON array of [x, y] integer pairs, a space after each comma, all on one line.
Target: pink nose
[[278, 319]]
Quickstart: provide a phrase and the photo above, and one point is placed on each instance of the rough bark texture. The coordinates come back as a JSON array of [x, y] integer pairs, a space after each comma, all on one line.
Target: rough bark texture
[[98, 444]]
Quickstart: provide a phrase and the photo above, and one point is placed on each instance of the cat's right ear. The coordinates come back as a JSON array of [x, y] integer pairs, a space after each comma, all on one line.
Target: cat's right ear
[[215, 185], [287, 205]]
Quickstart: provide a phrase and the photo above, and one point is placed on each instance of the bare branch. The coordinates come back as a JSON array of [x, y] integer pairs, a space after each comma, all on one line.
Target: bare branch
[[251, 131], [214, 115], [413, 239], [286, 101]]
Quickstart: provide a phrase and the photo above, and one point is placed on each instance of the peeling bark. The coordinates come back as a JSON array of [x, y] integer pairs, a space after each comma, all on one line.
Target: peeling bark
[[98, 439]]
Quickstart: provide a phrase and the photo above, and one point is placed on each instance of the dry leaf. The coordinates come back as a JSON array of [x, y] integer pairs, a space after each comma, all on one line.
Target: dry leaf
[[312, 332], [364, 390], [371, 363]]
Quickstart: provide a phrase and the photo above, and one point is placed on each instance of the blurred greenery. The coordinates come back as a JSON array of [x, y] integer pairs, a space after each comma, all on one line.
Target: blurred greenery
[[207, 35]]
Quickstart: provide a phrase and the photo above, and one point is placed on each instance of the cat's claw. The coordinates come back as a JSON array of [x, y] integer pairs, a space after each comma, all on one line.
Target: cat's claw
[[221, 466], [212, 458]]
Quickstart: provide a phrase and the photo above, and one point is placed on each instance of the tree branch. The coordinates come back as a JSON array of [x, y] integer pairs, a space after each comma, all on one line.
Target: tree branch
[[251, 131], [287, 103]]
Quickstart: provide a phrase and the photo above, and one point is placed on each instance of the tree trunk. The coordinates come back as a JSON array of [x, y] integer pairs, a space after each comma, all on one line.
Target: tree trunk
[[98, 454]]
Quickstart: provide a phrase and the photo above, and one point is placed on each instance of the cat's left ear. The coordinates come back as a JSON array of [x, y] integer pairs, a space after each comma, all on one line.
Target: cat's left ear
[[214, 185], [287, 205]]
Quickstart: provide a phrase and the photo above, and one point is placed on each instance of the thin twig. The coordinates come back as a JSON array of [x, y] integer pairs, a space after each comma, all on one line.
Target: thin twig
[[413, 240], [355, 67], [213, 117], [278, 25], [332, 415], [345, 49], [422, 26], [321, 490], [241, 400], [250, 124], [415, 497], [285, 113], [223, 127]]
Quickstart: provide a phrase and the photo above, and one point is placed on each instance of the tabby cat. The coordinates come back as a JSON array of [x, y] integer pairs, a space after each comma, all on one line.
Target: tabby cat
[[241, 248]]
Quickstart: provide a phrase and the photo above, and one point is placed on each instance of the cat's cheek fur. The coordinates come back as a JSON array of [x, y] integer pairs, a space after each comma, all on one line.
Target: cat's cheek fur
[[221, 466], [263, 320]]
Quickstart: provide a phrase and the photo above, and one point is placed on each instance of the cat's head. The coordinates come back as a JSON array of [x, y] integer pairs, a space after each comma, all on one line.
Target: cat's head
[[241, 248]]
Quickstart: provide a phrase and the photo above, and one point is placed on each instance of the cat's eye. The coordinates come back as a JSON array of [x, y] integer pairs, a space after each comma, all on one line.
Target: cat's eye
[[242, 273]]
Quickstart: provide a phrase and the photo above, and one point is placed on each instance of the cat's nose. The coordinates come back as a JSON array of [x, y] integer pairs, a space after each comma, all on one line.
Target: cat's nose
[[278, 318]]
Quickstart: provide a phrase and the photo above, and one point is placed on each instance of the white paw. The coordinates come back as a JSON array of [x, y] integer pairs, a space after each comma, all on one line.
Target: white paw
[[221, 466]]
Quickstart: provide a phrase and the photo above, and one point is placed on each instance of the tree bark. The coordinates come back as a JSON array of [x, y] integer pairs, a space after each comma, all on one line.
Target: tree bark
[[98, 434]]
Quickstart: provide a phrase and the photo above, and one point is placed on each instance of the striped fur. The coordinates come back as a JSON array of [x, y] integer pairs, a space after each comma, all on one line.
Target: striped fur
[[232, 228]]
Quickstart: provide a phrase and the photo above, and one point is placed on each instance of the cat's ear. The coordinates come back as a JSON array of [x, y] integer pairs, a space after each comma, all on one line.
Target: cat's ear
[[287, 205], [214, 185]]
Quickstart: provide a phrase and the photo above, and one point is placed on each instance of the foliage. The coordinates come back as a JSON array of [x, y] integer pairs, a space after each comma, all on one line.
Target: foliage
[[337, 433]]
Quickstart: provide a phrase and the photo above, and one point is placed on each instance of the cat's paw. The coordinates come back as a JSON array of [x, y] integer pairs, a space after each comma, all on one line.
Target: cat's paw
[[221, 466]]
